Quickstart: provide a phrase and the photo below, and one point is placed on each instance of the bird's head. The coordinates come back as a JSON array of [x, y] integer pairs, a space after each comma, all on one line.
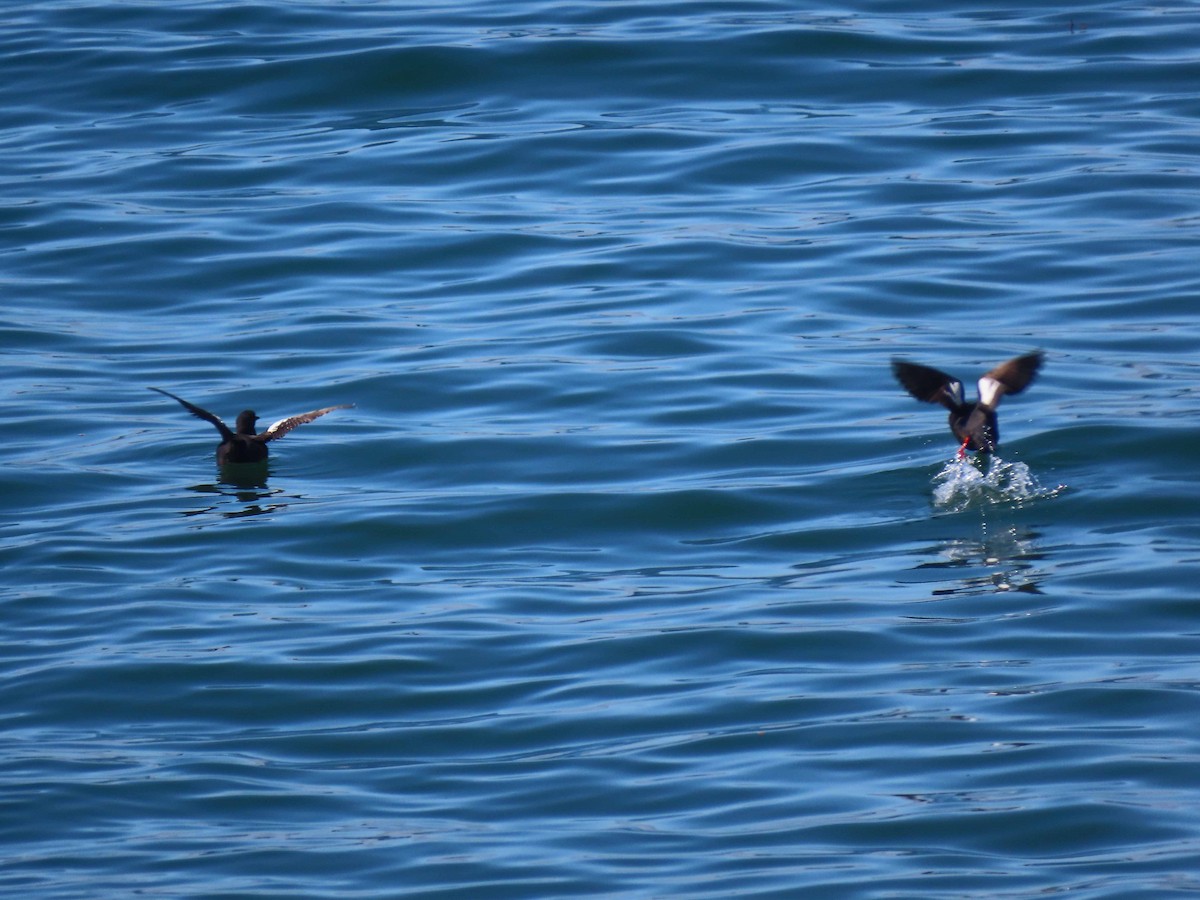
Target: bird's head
[[245, 422]]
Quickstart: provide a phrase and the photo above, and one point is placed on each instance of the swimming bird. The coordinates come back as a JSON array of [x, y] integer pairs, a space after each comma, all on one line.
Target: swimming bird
[[975, 423], [245, 445]]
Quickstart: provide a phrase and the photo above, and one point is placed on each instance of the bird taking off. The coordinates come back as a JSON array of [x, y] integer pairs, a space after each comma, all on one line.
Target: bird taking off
[[973, 424]]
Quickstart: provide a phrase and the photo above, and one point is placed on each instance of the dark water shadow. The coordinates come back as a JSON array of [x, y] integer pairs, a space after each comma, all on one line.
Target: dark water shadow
[[247, 476], [244, 484]]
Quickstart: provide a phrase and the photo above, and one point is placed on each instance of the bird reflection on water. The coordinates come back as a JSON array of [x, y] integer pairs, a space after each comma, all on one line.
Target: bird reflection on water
[[245, 484], [1002, 561]]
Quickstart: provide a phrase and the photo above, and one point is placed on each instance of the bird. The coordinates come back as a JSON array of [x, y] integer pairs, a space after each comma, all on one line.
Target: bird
[[245, 445], [974, 424]]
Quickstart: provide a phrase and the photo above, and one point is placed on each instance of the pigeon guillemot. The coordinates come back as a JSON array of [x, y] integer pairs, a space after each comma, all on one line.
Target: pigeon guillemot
[[244, 445], [972, 423]]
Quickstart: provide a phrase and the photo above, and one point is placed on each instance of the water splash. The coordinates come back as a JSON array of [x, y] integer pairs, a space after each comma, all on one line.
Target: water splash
[[967, 482]]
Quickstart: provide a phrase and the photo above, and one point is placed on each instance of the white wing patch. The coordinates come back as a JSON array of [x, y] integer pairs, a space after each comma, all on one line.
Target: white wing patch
[[954, 389], [990, 392]]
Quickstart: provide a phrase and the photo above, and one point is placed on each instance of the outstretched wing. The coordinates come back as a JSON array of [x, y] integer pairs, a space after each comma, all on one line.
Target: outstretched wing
[[283, 426], [199, 413], [1010, 377], [928, 385]]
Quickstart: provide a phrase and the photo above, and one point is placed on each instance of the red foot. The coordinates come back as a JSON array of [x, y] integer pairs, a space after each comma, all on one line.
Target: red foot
[[962, 451]]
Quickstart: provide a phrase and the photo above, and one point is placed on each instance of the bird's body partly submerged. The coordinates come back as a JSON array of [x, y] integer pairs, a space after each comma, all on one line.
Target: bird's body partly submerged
[[973, 424], [245, 445]]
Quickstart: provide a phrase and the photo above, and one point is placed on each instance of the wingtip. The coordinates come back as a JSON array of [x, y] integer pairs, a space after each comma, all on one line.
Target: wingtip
[[1034, 359]]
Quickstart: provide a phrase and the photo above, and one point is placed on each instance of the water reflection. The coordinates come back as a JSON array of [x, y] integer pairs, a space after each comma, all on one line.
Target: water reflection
[[1006, 560], [244, 484]]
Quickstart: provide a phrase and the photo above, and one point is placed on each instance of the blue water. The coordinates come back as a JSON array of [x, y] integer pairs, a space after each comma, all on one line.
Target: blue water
[[632, 573]]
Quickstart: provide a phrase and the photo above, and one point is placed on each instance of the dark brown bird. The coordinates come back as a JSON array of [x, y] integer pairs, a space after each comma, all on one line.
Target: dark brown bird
[[245, 445], [974, 424]]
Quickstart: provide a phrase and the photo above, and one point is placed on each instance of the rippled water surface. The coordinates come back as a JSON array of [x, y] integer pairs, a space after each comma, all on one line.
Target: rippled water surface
[[631, 572]]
